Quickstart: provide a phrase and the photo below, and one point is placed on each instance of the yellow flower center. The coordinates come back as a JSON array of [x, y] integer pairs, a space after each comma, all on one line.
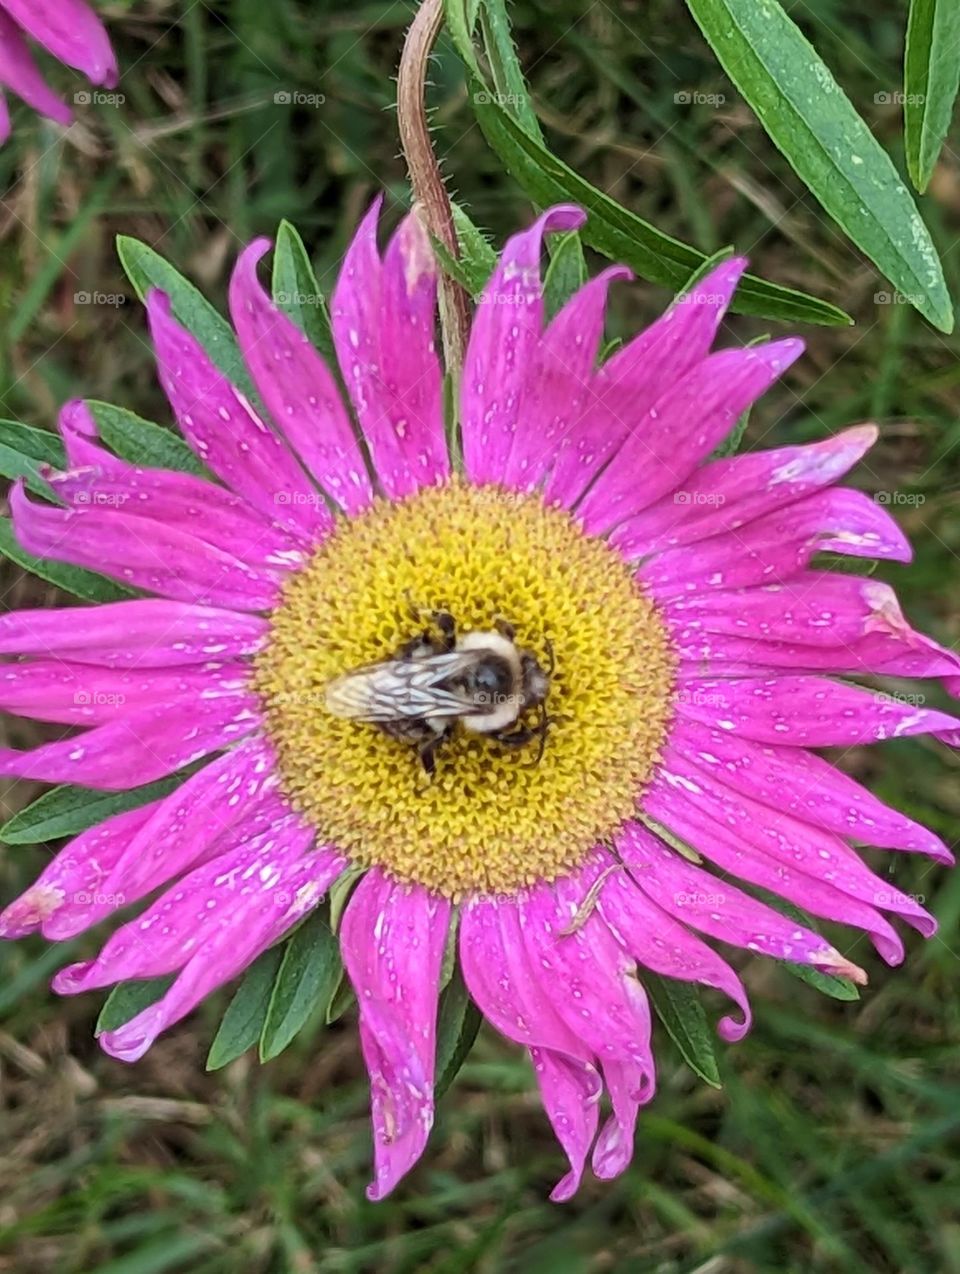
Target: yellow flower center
[[492, 819]]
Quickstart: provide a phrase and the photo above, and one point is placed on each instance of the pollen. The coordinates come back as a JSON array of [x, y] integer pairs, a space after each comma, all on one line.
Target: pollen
[[493, 819]]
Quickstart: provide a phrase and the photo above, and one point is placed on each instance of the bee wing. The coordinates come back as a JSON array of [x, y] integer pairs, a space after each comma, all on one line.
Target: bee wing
[[401, 689]]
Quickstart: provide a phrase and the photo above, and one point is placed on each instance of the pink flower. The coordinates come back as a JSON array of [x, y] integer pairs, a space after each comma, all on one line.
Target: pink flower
[[71, 32], [669, 599]]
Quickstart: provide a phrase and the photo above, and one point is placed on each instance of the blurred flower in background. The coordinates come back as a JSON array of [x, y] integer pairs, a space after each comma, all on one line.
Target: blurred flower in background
[[71, 32]]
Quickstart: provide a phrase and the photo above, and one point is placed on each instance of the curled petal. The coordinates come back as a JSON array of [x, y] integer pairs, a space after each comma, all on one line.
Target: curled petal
[[393, 938], [719, 909], [570, 1090]]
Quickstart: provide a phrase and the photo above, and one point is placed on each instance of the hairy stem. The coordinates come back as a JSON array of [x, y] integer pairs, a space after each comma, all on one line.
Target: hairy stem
[[429, 191]]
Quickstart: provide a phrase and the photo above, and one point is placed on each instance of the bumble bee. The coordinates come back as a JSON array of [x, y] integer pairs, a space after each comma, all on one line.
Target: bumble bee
[[483, 680]]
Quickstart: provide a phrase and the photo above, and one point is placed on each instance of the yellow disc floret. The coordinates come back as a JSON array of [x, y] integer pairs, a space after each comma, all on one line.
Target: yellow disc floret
[[492, 819]]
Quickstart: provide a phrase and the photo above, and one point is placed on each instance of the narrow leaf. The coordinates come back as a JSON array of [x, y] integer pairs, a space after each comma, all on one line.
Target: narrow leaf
[[72, 579], [678, 1007], [146, 269], [67, 811], [837, 988], [127, 999], [308, 977], [612, 229], [811, 120], [246, 1013], [39, 444], [931, 77], [458, 1021], [566, 273], [141, 441], [297, 292]]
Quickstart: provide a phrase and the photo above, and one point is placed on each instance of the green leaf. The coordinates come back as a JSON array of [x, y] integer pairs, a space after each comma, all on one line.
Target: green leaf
[[72, 579], [127, 999], [146, 269], [141, 441], [67, 811], [505, 70], [458, 1021], [308, 977], [931, 77], [678, 1007], [611, 228], [297, 292], [24, 449], [812, 121], [566, 272], [477, 259], [246, 1013], [837, 988]]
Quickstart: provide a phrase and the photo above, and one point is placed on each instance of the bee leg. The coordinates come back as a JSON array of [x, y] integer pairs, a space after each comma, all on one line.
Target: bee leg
[[427, 751], [504, 628], [521, 736], [447, 627]]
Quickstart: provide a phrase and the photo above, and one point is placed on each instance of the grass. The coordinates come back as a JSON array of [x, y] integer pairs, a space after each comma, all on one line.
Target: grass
[[833, 1143]]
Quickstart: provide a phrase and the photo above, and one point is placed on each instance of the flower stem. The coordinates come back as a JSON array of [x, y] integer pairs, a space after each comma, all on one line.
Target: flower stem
[[429, 192]]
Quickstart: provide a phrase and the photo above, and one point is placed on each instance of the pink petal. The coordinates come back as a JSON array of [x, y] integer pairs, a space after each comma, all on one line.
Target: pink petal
[[19, 73], [227, 434], [778, 546], [72, 32], [558, 391], [805, 711], [803, 784], [143, 634], [503, 340], [627, 1083], [670, 805], [511, 995], [184, 503], [253, 901], [585, 974], [819, 853], [80, 435], [717, 908], [660, 943], [144, 746], [393, 938], [724, 495], [296, 386], [79, 694], [383, 319], [636, 376], [74, 878], [141, 553], [233, 792], [687, 423]]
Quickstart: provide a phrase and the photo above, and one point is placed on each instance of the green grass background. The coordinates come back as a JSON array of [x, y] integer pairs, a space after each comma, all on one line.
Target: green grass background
[[833, 1144]]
